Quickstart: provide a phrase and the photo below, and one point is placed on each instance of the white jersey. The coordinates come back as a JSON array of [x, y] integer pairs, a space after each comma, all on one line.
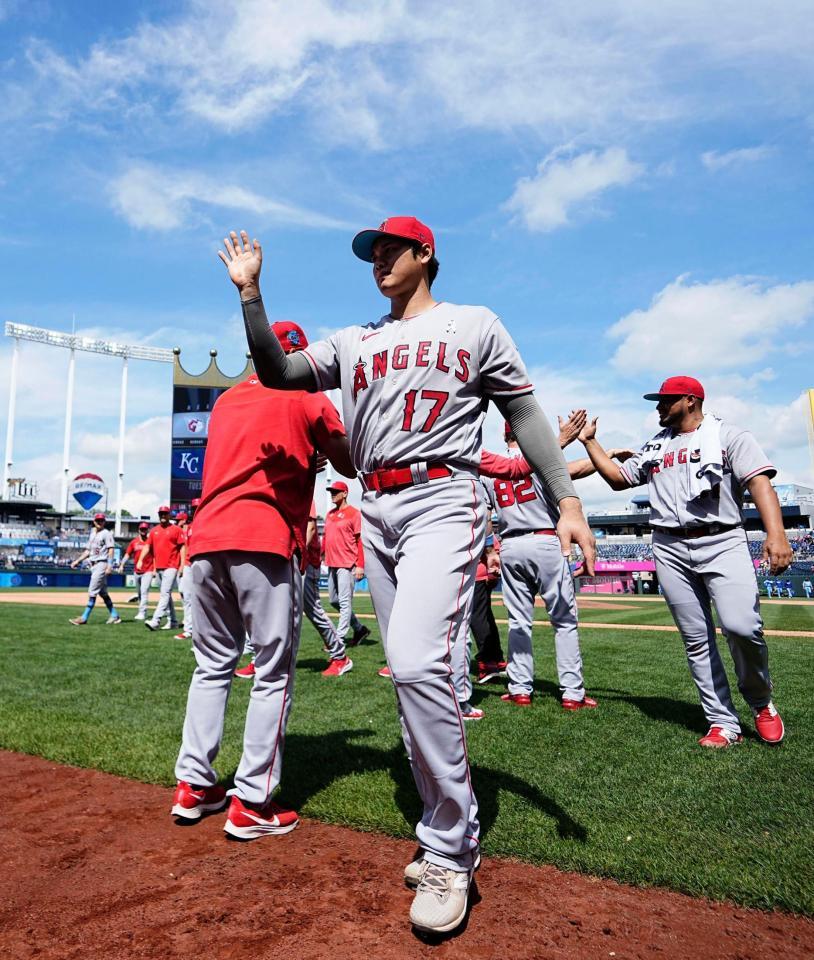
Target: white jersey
[[416, 389], [522, 506], [98, 543], [665, 467]]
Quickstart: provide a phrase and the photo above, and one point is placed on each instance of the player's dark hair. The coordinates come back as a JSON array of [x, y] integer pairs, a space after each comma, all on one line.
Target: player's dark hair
[[432, 266]]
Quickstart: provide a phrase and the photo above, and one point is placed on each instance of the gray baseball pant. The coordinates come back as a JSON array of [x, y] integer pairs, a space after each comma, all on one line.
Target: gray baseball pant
[[98, 582], [143, 583], [166, 581], [238, 592], [186, 585], [422, 544], [340, 592], [695, 574], [533, 564], [462, 659], [313, 609]]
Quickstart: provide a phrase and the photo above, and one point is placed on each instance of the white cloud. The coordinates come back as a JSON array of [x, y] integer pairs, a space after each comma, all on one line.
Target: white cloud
[[152, 198], [564, 184], [715, 160], [361, 71], [142, 441], [705, 327]]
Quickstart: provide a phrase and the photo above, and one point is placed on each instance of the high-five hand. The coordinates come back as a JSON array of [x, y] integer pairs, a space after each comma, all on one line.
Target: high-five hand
[[243, 260], [570, 428]]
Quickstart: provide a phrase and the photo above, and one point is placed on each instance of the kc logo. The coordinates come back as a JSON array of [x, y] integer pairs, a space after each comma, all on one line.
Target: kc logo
[[42, 581], [190, 462]]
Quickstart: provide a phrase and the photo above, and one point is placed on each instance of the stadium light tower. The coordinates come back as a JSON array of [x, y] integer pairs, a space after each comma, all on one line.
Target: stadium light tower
[[74, 342]]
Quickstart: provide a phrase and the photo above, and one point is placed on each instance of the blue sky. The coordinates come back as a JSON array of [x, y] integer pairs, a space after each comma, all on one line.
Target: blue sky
[[627, 184]]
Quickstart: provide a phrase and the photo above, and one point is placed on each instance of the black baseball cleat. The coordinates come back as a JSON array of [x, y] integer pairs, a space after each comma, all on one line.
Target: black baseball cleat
[[358, 636]]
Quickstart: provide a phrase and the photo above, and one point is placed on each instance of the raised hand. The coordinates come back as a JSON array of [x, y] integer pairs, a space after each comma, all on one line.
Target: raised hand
[[570, 428], [588, 432], [243, 260]]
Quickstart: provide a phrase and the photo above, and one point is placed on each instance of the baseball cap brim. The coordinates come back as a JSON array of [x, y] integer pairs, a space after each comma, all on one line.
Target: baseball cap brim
[[363, 243]]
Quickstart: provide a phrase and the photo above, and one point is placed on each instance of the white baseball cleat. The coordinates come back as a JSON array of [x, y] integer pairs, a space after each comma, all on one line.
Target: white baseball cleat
[[440, 900], [415, 869], [140, 616]]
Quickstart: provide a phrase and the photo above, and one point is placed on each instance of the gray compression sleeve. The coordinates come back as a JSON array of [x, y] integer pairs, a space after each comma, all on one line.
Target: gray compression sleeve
[[538, 443], [274, 367]]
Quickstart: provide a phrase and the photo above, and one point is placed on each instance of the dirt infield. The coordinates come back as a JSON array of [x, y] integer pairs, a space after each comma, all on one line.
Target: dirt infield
[[95, 868]]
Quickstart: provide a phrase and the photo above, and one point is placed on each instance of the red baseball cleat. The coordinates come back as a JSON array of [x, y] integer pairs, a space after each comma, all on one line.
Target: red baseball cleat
[[337, 667], [518, 699], [587, 701], [489, 671], [385, 672], [247, 672], [189, 803], [769, 724], [719, 737], [248, 823], [468, 712]]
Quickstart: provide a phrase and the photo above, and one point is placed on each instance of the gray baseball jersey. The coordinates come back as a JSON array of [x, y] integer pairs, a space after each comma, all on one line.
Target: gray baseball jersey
[[415, 389], [522, 505], [664, 464], [99, 542]]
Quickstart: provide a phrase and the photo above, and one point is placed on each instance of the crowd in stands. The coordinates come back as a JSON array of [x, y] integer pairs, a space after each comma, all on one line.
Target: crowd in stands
[[624, 551]]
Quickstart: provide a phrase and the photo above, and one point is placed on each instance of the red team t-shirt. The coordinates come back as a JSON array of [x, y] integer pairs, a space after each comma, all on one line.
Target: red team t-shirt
[[134, 549], [343, 544], [165, 546], [260, 467]]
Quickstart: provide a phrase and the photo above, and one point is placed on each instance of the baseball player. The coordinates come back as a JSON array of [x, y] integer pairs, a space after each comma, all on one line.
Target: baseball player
[[531, 562], [250, 528], [145, 578], [415, 386], [100, 553], [808, 588], [345, 559], [768, 585], [166, 543], [788, 586], [185, 582], [695, 469]]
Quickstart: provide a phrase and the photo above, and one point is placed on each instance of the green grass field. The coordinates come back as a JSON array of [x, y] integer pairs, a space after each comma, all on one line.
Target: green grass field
[[622, 791]]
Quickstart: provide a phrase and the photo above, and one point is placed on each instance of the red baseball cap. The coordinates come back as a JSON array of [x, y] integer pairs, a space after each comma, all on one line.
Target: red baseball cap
[[196, 502], [164, 509], [144, 526], [182, 516], [677, 387], [407, 228], [339, 485], [99, 516], [290, 335]]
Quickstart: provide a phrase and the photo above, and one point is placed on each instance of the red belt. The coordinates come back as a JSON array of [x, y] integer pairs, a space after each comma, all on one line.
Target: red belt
[[396, 478], [526, 533]]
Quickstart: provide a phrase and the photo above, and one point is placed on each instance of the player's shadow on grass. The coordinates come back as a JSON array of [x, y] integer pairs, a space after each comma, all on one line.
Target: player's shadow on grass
[[314, 762], [682, 713]]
